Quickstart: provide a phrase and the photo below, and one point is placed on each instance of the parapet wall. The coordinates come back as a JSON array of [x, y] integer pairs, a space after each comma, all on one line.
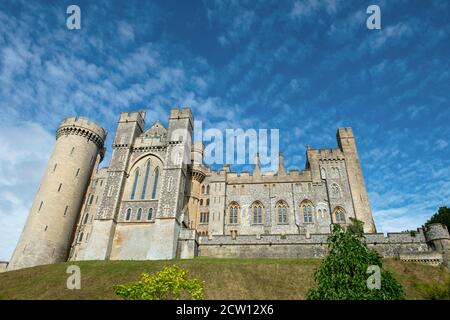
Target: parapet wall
[[3, 266], [83, 127], [437, 231], [303, 246], [84, 123]]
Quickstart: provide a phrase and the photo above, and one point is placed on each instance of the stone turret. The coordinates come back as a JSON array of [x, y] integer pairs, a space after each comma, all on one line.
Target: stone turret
[[438, 238], [281, 168], [198, 174], [171, 206], [48, 232], [347, 144], [257, 169], [129, 126]]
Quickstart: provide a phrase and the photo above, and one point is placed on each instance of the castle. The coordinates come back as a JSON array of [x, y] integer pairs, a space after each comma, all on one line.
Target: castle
[[147, 204]]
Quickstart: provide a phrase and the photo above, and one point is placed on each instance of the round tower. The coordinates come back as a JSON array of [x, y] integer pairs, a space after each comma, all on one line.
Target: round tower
[[437, 235], [48, 232]]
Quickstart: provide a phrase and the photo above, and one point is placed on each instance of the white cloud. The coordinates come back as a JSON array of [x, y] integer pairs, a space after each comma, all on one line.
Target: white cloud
[[400, 219], [308, 8], [441, 144], [24, 152], [304, 8], [125, 32]]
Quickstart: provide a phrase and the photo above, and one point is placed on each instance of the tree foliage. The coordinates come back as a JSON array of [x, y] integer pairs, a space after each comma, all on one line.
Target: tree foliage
[[342, 275], [172, 283], [442, 216]]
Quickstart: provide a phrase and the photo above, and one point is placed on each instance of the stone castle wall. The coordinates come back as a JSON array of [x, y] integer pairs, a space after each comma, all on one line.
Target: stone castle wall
[[302, 246]]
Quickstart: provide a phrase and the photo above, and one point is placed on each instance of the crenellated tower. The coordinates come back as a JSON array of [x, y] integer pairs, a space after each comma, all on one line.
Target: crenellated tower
[[172, 206], [48, 232], [347, 144], [129, 126]]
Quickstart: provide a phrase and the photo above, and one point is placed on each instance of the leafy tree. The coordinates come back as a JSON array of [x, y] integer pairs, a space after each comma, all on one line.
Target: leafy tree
[[442, 216], [356, 227], [342, 275], [171, 283]]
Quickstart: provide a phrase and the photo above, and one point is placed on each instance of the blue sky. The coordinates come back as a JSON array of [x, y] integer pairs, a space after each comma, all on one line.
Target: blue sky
[[304, 67]]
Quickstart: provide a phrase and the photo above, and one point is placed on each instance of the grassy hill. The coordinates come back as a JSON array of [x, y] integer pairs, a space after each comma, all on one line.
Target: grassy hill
[[225, 278]]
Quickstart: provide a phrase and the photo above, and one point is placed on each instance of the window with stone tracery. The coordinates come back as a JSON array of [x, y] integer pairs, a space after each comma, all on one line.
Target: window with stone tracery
[[146, 178], [339, 215], [135, 182], [204, 217], [257, 210], [307, 211], [281, 208], [233, 213], [335, 191]]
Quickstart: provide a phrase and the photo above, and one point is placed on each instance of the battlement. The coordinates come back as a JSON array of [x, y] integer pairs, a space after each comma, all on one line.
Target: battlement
[[306, 245], [294, 175], [136, 116], [83, 123], [83, 127], [345, 133], [326, 154], [314, 238], [180, 113], [437, 231]]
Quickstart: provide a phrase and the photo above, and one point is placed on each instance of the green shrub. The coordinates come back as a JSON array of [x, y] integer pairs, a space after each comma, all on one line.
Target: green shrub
[[171, 283], [342, 275]]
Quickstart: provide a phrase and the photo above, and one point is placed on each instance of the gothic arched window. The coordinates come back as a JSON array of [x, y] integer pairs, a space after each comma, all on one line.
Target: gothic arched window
[[233, 213], [150, 214], [147, 175], [307, 211], [281, 208], [139, 214], [128, 216], [135, 182], [335, 191], [155, 183], [257, 211], [339, 215]]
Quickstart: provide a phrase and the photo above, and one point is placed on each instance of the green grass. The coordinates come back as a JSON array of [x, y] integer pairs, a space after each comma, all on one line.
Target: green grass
[[224, 278]]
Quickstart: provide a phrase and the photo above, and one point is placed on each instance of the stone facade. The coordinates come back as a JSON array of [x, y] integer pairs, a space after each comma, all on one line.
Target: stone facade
[[157, 200]]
